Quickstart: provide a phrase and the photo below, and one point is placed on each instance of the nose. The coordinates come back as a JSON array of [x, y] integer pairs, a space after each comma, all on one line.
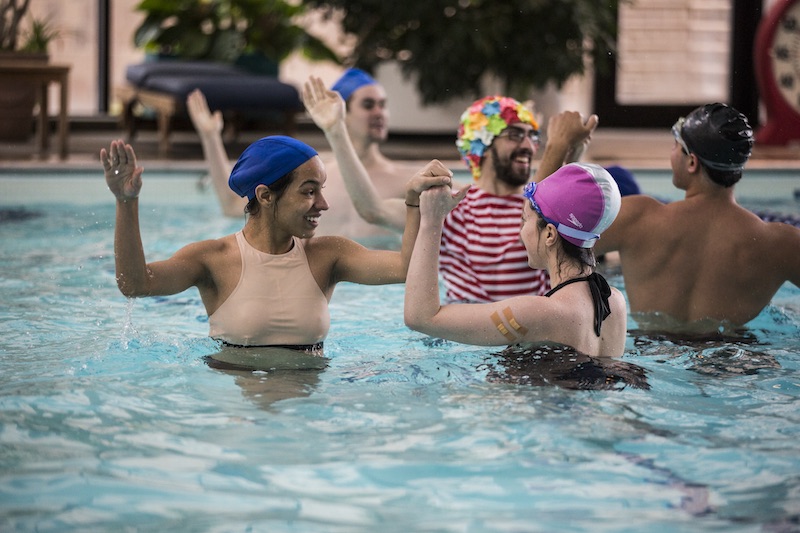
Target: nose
[[321, 203]]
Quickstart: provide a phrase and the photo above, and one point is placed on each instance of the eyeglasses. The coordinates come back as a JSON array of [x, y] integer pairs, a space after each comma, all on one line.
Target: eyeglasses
[[517, 135], [677, 128]]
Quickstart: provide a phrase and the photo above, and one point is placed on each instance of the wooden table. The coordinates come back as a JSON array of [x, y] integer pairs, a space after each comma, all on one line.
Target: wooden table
[[42, 75]]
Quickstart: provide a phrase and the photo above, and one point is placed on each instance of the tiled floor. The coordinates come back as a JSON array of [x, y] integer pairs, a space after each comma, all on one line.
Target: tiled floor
[[632, 148]]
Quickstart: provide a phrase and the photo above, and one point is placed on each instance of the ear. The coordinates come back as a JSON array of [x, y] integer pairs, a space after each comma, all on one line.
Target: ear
[[694, 164], [265, 196], [550, 235]]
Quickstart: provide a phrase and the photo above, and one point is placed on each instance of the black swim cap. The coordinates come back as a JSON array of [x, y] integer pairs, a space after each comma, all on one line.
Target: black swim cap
[[719, 135]]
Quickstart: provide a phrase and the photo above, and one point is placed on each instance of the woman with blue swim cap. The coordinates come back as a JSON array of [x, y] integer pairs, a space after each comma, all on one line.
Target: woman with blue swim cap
[[269, 284]]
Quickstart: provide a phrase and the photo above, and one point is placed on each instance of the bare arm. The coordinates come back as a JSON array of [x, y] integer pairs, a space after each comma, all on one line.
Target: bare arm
[[567, 138], [491, 324], [327, 109], [372, 267], [134, 276], [209, 128], [790, 255]]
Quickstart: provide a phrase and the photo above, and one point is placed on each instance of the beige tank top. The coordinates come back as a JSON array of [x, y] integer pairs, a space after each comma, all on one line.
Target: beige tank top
[[276, 302]]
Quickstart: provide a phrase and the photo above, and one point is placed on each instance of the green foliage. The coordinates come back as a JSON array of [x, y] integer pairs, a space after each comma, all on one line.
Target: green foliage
[[450, 45], [39, 36], [223, 30]]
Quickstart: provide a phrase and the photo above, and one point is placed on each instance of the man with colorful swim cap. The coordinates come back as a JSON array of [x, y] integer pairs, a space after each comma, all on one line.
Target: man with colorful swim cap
[[482, 257], [702, 264]]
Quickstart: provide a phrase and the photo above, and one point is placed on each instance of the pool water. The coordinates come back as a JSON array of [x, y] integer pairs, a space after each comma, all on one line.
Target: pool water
[[110, 420]]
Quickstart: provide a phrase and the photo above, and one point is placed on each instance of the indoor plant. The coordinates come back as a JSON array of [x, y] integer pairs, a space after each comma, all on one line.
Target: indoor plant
[[229, 31], [22, 38], [451, 46]]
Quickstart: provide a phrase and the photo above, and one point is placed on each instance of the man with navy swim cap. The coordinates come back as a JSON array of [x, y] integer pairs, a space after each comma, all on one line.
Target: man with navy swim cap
[[702, 264]]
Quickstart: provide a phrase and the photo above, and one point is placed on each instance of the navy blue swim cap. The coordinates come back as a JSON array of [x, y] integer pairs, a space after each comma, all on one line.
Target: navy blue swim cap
[[266, 161], [625, 180]]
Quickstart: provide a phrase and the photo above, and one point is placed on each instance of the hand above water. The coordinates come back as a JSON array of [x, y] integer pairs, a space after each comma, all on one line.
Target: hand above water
[[123, 176], [571, 129], [434, 174], [325, 107], [436, 202], [204, 121]]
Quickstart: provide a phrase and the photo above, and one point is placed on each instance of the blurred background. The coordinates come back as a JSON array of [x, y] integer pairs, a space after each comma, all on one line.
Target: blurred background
[[639, 64]]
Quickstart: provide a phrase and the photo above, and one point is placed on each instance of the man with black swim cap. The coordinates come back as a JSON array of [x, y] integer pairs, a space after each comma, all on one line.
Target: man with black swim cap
[[702, 264]]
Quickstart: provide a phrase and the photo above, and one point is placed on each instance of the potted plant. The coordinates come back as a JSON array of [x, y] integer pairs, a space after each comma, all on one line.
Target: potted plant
[[450, 47], [256, 34], [22, 38]]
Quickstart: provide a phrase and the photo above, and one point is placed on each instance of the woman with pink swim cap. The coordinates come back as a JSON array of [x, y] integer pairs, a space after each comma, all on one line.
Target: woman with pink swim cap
[[562, 218]]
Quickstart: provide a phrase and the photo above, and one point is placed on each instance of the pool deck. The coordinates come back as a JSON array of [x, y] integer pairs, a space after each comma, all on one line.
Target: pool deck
[[636, 149]]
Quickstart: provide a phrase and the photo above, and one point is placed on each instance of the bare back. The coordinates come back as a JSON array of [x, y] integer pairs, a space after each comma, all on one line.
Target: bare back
[[701, 258]]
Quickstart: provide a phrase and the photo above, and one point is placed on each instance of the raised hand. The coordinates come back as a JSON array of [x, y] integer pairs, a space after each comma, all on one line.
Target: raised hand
[[123, 176], [570, 128], [204, 121], [326, 108], [434, 174], [436, 202]]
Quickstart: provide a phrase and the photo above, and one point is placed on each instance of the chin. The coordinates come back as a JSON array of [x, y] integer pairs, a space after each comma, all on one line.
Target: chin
[[307, 234]]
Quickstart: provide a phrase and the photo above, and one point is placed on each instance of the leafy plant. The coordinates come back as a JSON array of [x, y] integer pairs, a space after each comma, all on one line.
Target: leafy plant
[[450, 46], [39, 36], [223, 30]]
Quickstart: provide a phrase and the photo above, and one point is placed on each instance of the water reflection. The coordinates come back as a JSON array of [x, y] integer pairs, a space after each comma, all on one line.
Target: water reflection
[[269, 375], [719, 355]]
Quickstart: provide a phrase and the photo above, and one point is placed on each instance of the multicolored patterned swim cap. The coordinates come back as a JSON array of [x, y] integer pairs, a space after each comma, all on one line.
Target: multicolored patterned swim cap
[[483, 121]]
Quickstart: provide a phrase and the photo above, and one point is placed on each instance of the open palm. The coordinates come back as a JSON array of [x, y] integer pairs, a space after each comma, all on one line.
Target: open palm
[[325, 107]]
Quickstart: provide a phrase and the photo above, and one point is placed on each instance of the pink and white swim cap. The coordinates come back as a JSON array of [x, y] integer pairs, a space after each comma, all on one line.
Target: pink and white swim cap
[[580, 199]]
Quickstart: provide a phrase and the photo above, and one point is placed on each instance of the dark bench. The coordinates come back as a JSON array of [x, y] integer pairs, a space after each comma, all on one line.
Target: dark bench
[[164, 85]]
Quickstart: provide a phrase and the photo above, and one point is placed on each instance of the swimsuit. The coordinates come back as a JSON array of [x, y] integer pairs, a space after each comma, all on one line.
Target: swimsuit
[[277, 302], [482, 258], [600, 293]]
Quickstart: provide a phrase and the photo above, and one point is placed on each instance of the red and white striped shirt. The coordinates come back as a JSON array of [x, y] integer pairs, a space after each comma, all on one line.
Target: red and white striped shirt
[[482, 258]]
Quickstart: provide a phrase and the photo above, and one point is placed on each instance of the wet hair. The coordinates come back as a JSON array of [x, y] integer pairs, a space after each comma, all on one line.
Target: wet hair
[[278, 188], [723, 177], [583, 256]]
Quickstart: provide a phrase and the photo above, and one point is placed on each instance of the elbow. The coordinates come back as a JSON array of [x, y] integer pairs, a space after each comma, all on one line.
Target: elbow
[[128, 290], [128, 293], [372, 216], [414, 321]]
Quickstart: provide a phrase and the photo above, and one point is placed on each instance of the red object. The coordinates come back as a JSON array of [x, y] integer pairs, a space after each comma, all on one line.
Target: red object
[[777, 64]]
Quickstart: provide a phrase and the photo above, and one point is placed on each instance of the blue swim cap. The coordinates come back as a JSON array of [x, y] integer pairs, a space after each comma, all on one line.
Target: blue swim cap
[[266, 161], [352, 80], [625, 180]]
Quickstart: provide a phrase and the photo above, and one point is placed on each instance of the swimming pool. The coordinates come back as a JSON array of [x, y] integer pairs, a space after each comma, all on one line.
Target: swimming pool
[[109, 419]]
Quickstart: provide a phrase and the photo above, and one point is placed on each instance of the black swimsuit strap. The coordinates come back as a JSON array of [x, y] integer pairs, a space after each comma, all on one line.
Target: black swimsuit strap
[[600, 294]]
